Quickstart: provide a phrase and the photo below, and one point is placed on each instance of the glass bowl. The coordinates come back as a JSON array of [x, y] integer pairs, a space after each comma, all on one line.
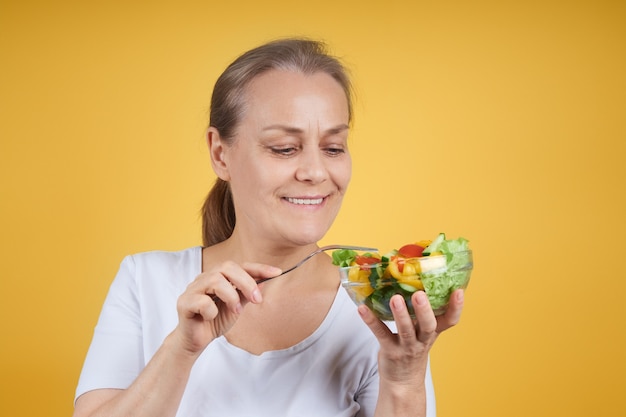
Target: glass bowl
[[437, 275]]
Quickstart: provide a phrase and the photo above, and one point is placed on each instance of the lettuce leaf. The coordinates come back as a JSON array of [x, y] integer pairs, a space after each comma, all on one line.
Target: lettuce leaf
[[439, 284], [343, 257]]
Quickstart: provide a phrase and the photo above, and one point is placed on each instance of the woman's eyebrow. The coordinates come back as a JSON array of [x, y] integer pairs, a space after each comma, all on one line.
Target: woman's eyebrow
[[284, 128], [338, 129], [295, 130]]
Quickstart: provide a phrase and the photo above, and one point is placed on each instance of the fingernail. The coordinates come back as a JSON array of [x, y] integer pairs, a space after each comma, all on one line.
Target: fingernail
[[256, 296], [421, 298], [398, 303], [460, 296], [238, 308]]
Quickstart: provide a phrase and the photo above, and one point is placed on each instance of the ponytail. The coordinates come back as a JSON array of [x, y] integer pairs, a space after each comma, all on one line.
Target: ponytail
[[218, 214]]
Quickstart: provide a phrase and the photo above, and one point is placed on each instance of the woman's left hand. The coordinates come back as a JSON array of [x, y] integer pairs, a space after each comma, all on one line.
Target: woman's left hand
[[403, 356]]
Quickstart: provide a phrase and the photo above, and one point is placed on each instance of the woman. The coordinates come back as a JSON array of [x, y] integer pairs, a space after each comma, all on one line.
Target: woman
[[190, 333]]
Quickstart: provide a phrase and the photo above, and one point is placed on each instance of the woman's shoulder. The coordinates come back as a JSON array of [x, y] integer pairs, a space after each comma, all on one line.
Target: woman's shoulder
[[180, 266], [184, 256]]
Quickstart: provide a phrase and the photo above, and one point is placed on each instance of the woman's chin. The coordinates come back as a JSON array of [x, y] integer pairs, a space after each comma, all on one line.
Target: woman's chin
[[307, 235]]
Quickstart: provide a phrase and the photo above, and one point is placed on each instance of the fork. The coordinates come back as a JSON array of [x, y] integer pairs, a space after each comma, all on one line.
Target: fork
[[312, 254], [309, 256]]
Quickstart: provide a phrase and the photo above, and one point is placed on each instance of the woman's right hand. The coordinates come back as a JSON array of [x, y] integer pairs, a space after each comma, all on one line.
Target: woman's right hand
[[201, 317]]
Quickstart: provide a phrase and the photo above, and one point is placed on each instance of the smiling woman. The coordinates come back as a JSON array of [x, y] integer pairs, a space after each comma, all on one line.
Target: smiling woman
[[277, 139], [232, 95], [290, 147]]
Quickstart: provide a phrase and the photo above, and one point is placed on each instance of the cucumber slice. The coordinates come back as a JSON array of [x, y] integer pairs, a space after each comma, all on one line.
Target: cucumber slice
[[381, 307], [407, 287], [387, 257], [434, 245]]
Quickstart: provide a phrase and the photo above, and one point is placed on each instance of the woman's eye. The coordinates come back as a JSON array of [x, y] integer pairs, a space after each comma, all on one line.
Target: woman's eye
[[335, 151], [283, 150], [293, 150]]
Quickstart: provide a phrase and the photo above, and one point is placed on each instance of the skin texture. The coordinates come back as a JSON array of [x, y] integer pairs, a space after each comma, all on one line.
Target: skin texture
[[289, 168]]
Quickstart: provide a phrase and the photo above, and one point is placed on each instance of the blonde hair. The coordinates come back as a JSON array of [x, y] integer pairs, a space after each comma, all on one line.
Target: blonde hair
[[227, 107]]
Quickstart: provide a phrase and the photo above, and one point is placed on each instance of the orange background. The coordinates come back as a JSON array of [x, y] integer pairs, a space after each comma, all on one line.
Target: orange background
[[503, 122]]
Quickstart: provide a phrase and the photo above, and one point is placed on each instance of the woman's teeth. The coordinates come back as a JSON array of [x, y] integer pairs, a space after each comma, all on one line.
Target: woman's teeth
[[306, 201]]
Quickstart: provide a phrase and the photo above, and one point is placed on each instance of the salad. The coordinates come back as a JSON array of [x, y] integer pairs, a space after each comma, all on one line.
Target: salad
[[438, 267]]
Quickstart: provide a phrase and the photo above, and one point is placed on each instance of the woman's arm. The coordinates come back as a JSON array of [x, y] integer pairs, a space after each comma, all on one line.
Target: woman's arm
[[403, 357], [156, 392], [159, 387]]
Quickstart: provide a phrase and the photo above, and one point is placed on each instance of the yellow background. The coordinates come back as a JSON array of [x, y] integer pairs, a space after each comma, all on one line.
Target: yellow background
[[503, 122]]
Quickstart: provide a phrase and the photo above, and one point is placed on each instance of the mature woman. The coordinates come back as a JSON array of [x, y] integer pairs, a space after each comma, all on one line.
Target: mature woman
[[191, 333]]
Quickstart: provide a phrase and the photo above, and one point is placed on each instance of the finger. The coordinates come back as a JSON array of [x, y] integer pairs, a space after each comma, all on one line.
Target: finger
[[224, 292], [404, 323], [243, 277], [250, 288], [452, 316], [425, 321], [193, 305], [260, 271], [378, 328], [235, 286], [216, 288]]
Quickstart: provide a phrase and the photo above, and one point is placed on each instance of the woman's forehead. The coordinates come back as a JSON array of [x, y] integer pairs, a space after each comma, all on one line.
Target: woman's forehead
[[293, 94]]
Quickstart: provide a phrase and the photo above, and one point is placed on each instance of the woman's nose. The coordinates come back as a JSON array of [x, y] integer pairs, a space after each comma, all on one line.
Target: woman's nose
[[311, 167]]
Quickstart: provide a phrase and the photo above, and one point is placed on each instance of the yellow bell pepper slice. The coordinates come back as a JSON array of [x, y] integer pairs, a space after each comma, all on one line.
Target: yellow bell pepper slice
[[393, 269], [363, 291], [424, 243], [413, 281], [411, 267]]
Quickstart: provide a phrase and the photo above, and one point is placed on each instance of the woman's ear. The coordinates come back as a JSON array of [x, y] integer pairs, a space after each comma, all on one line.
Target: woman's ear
[[217, 149]]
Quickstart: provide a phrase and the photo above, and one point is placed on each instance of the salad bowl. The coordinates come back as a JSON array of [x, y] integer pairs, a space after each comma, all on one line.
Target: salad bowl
[[373, 280]]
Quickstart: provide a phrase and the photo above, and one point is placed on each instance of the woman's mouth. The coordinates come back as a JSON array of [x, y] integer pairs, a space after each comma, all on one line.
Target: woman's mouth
[[305, 201]]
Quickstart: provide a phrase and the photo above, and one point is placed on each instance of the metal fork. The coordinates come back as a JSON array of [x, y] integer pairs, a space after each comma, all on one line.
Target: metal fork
[[312, 254], [309, 256]]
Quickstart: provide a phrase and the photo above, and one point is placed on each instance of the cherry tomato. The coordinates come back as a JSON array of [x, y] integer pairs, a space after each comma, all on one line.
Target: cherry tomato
[[411, 251], [366, 260]]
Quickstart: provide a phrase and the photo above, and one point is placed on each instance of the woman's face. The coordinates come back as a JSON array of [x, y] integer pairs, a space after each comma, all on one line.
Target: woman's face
[[289, 165]]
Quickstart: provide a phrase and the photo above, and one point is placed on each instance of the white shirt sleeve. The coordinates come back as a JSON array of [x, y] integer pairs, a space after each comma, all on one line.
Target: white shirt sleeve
[[117, 337]]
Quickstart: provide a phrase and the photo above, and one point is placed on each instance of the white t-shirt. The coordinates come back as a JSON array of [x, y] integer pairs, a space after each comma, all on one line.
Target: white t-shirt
[[333, 372]]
